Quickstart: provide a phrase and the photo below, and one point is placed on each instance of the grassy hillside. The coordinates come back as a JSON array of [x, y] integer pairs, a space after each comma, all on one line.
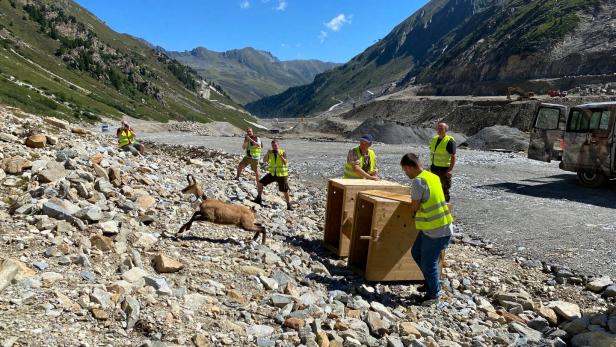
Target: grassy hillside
[[464, 47], [58, 59], [248, 74]]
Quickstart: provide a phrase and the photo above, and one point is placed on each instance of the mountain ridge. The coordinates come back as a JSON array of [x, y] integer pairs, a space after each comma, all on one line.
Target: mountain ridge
[[249, 74], [466, 47], [60, 60]]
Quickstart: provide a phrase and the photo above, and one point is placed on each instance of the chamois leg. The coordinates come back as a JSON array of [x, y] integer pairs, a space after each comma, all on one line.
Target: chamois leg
[[196, 216]]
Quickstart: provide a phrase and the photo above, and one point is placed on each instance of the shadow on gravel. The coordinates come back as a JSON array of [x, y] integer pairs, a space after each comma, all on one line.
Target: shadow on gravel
[[201, 239], [344, 279], [560, 187]]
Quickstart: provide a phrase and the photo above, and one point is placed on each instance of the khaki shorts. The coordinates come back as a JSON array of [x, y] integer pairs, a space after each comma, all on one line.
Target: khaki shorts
[[254, 163]]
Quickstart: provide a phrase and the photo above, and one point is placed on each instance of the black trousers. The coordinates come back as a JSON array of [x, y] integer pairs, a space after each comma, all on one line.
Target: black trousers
[[441, 172]]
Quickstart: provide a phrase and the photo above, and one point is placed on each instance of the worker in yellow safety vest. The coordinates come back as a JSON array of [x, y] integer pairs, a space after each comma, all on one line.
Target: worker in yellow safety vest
[[126, 139], [443, 156], [278, 172], [361, 161], [433, 222], [252, 145]]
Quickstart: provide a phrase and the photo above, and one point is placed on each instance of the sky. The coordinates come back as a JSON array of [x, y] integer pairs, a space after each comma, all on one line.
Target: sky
[[328, 30]]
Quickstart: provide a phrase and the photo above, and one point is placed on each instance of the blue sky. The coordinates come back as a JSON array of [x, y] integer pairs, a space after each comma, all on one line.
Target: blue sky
[[330, 30]]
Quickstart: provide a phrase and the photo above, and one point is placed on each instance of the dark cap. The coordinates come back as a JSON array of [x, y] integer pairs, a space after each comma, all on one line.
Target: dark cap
[[367, 137]]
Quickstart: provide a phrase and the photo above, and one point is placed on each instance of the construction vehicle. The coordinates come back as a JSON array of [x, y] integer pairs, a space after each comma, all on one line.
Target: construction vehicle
[[521, 93], [557, 93], [583, 138]]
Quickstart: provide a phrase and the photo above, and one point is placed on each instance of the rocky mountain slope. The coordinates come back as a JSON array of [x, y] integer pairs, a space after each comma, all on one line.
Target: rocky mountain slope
[[58, 59], [248, 74], [89, 255], [461, 47]]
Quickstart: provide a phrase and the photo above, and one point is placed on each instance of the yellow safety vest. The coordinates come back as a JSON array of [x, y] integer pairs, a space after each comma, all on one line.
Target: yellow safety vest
[[348, 168], [439, 155], [277, 167], [433, 213], [126, 137], [253, 151]]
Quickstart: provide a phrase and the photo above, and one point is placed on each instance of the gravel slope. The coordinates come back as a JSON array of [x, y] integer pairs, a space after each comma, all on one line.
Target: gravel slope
[[524, 207]]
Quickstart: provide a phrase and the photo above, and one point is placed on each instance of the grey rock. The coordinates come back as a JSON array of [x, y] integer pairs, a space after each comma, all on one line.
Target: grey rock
[[259, 331], [599, 284], [610, 291], [376, 324], [158, 283], [281, 300], [539, 324], [131, 308], [611, 324], [261, 342], [393, 341], [530, 334], [41, 265], [90, 213], [576, 326], [268, 283], [101, 297], [103, 186], [88, 276]]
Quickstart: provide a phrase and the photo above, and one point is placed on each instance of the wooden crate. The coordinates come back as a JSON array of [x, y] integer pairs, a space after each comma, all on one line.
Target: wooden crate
[[341, 196], [383, 235]]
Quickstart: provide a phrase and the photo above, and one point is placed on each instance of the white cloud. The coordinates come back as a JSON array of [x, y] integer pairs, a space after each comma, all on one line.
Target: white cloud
[[322, 36], [245, 4], [285, 45], [282, 5], [337, 22]]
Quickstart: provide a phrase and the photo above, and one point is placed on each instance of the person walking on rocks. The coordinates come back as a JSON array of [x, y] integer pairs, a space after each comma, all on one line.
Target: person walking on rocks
[[433, 221], [252, 146], [361, 161], [126, 139], [278, 172], [443, 156]]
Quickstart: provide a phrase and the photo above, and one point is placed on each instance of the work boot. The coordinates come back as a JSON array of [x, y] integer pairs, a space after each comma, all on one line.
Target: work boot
[[422, 288], [258, 200], [289, 207]]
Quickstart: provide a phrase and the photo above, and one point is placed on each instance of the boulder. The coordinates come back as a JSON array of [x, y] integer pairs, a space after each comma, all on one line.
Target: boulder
[[57, 122], [566, 310], [15, 165], [80, 131], [531, 335], [36, 141], [53, 172], [599, 284], [594, 339], [102, 243], [145, 202], [164, 264], [8, 138]]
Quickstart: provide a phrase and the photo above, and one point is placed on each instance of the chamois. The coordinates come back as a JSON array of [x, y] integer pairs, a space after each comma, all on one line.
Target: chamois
[[219, 212]]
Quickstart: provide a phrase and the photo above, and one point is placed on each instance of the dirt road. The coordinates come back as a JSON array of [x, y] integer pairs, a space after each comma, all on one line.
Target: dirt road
[[525, 208]]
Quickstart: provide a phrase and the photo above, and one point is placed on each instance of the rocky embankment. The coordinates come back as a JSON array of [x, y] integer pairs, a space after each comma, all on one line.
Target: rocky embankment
[[90, 256], [465, 115]]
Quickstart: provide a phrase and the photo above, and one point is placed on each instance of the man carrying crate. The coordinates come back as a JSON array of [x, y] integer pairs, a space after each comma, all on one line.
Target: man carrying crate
[[433, 222]]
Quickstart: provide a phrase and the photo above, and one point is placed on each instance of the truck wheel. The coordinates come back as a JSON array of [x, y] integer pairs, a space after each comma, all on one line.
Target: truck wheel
[[591, 179]]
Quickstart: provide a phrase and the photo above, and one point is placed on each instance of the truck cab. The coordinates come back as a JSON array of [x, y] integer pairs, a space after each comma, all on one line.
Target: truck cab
[[584, 140]]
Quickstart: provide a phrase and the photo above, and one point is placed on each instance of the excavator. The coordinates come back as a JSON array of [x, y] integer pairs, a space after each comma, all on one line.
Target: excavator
[[521, 93]]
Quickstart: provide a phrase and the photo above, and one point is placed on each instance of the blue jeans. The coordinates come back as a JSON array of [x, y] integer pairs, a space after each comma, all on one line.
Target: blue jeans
[[426, 251]]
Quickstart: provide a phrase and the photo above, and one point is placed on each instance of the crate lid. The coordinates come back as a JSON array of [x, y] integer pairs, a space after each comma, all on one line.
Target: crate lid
[[362, 182], [388, 195]]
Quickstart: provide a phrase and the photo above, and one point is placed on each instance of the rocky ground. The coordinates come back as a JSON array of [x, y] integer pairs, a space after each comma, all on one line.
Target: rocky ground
[[90, 256]]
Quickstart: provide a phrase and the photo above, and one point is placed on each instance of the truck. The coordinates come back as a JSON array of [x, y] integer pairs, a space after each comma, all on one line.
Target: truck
[[582, 138]]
